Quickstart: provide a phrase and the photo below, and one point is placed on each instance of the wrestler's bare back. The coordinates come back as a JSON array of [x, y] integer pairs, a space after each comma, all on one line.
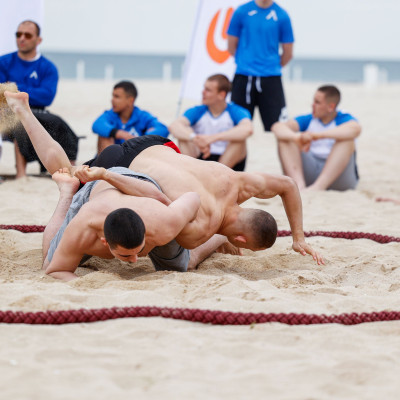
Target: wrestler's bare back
[[188, 174]]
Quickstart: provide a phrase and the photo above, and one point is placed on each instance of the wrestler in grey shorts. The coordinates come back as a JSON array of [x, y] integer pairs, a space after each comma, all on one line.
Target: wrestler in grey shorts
[[312, 167], [170, 257]]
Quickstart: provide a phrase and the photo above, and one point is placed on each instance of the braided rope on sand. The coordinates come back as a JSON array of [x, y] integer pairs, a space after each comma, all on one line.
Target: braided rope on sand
[[193, 315], [197, 315], [334, 234]]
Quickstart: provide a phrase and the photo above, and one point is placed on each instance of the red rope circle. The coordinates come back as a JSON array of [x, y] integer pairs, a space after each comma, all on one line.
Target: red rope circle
[[197, 315], [333, 234], [193, 315]]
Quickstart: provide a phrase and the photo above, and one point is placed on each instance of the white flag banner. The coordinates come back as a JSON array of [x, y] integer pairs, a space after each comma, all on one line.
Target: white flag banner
[[208, 52], [12, 13]]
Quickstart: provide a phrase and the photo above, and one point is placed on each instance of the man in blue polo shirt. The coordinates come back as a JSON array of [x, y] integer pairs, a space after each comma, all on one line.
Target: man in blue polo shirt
[[256, 32], [318, 150], [125, 120], [216, 130]]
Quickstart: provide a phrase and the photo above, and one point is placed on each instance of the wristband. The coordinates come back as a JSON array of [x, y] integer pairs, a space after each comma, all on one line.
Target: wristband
[[192, 136]]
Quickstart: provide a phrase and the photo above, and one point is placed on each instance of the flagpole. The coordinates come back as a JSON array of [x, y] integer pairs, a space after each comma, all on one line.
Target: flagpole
[[187, 58]]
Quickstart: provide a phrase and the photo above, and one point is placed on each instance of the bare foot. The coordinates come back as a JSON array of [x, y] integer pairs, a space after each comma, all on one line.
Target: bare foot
[[390, 199], [18, 102], [310, 188], [68, 185]]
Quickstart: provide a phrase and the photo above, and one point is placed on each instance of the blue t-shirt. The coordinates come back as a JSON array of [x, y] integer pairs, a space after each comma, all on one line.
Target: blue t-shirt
[[138, 125], [260, 31], [322, 147], [204, 123], [38, 78]]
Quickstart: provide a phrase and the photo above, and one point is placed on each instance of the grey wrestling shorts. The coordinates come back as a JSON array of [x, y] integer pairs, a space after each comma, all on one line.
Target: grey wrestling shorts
[[170, 257], [312, 167]]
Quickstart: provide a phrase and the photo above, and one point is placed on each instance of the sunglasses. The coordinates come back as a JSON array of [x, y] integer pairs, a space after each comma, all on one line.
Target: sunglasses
[[27, 35]]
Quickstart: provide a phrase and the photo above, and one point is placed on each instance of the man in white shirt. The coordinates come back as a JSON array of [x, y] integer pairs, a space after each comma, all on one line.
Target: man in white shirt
[[318, 150], [215, 130]]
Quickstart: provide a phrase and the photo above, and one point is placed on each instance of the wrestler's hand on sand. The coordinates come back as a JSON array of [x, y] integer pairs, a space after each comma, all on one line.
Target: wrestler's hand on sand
[[229, 248], [304, 248], [87, 174]]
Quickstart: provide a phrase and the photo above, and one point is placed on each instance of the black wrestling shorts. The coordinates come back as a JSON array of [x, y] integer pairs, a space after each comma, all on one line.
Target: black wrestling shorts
[[264, 92], [121, 155]]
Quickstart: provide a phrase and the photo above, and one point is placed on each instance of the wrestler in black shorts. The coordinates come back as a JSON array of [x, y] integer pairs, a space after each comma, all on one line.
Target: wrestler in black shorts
[[121, 155]]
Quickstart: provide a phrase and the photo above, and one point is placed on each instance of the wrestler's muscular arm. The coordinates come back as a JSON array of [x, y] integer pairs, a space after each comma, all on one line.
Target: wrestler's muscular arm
[[77, 238], [266, 186], [125, 184], [167, 222]]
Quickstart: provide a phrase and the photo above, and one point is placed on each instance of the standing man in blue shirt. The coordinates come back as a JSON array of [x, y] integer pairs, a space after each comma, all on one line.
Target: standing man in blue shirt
[[256, 32], [125, 120], [216, 130], [318, 150], [37, 76]]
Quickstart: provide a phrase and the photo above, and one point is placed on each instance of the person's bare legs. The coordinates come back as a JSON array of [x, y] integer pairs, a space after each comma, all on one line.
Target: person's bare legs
[[188, 148], [390, 199], [50, 153], [20, 162], [234, 153], [68, 186], [335, 164], [292, 166], [103, 142]]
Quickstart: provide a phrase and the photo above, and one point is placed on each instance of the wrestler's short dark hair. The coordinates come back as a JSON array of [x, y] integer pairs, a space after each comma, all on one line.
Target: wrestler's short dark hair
[[128, 87], [34, 23], [331, 93], [123, 227], [224, 85], [263, 229]]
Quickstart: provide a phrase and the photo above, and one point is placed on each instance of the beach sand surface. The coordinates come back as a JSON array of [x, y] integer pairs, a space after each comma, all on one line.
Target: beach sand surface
[[157, 358]]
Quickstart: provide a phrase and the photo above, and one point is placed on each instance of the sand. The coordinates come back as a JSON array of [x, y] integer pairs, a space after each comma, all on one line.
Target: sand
[[160, 358]]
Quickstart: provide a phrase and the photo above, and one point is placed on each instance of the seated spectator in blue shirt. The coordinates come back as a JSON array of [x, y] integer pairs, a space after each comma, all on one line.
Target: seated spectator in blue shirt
[[37, 76], [216, 130], [318, 150], [125, 120]]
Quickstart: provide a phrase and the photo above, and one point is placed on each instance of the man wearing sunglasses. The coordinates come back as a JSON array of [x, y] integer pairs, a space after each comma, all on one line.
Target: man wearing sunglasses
[[36, 75]]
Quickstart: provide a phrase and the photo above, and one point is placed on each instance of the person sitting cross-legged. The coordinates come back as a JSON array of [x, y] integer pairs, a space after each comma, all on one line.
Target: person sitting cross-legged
[[216, 130], [318, 150]]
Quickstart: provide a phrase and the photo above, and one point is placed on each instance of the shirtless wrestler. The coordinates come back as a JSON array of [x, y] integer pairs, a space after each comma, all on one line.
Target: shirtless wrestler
[[221, 191], [89, 222]]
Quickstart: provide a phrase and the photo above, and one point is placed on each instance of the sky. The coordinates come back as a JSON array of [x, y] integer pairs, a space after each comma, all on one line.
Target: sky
[[355, 29], [333, 29]]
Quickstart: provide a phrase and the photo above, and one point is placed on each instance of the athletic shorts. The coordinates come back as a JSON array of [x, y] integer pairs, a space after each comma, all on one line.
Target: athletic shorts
[[121, 155], [264, 92], [312, 167], [240, 166]]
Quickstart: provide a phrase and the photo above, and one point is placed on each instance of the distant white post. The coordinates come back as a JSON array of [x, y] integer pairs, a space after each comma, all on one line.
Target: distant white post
[[297, 74], [167, 72], [80, 70], [371, 75], [109, 72]]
